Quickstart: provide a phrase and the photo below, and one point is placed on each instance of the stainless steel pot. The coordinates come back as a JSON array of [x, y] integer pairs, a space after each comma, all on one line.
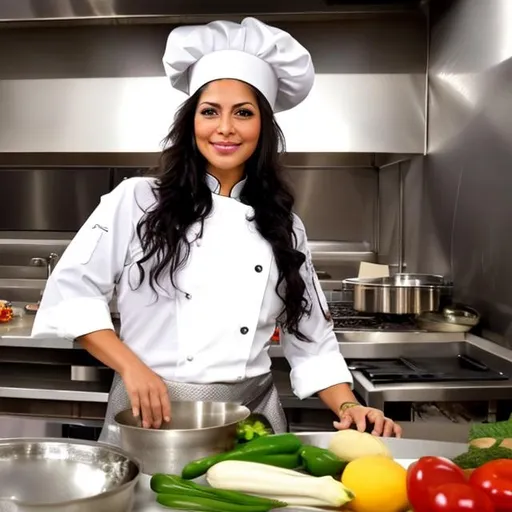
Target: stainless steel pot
[[196, 430], [60, 475], [399, 294]]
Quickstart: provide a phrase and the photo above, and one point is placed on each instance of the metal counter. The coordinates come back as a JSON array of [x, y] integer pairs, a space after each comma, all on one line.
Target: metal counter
[[405, 450], [17, 334]]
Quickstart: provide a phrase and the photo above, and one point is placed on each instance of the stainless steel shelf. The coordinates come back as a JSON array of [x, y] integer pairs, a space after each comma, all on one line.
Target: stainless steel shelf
[[69, 391]]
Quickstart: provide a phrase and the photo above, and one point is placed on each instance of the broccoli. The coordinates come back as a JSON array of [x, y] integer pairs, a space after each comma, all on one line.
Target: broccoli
[[251, 429]]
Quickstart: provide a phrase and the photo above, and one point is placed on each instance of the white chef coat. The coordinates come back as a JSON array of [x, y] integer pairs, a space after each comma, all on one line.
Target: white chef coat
[[216, 325]]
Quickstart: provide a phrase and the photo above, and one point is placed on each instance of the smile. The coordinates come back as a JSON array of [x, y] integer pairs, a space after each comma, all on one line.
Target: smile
[[224, 148]]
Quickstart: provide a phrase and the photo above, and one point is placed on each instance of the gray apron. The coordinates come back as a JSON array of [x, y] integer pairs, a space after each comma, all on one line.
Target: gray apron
[[258, 394]]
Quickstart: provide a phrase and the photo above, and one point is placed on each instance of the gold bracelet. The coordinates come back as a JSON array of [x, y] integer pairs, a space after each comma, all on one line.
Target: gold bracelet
[[347, 405]]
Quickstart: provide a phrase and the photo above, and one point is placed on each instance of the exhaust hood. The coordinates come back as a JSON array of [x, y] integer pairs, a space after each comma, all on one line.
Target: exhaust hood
[[100, 88], [148, 11]]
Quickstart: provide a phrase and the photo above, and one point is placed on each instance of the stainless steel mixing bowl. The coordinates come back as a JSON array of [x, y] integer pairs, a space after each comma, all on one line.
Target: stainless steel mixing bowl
[[196, 430], [61, 475]]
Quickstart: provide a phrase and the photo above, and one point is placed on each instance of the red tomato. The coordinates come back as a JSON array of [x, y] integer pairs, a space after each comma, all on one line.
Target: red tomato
[[425, 475], [495, 479], [459, 498]]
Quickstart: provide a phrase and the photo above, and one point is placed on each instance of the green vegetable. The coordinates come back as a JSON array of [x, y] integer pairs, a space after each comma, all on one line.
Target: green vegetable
[[199, 467], [174, 485], [262, 446], [251, 429], [277, 443], [321, 462], [499, 430], [200, 504], [280, 460], [476, 457]]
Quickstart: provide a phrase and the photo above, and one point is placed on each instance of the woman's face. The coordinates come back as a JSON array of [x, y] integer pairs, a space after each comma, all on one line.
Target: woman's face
[[227, 124]]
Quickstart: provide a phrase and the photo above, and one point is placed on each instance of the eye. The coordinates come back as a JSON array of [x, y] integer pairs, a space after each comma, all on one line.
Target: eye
[[208, 112], [244, 112]]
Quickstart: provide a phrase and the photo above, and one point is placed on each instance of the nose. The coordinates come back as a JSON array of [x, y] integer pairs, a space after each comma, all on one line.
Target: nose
[[225, 126]]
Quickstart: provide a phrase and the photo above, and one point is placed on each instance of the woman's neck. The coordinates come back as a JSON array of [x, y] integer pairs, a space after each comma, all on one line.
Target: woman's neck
[[227, 178]]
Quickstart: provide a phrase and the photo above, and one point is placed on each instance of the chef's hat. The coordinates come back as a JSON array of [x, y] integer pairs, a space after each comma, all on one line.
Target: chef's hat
[[267, 58]]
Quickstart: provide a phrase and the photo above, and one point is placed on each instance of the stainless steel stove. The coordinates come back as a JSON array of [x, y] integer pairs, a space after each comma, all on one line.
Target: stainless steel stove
[[402, 368], [457, 368]]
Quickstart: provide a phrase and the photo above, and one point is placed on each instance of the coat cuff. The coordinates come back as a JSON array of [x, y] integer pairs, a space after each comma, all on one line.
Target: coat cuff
[[78, 317], [318, 373]]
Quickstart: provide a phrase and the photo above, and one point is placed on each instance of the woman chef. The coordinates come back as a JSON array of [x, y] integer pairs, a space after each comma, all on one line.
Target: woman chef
[[207, 257]]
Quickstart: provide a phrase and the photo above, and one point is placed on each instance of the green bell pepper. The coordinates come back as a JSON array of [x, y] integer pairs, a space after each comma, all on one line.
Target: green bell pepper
[[321, 462]]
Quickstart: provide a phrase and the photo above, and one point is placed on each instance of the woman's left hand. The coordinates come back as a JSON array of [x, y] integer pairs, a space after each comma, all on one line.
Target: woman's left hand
[[360, 415]]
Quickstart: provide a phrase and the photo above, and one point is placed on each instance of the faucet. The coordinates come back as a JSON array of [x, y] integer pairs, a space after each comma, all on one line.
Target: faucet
[[50, 261]]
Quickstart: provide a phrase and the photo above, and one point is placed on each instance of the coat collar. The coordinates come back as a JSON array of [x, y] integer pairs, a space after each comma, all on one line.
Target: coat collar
[[214, 185]]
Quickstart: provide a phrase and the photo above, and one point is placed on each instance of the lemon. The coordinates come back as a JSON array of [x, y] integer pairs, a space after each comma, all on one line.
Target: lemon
[[379, 484]]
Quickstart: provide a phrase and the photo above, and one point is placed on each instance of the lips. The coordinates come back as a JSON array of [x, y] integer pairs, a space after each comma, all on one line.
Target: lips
[[225, 148]]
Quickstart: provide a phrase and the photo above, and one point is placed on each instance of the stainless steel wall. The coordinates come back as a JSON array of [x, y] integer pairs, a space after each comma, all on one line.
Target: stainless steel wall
[[461, 206], [44, 199], [45, 206], [101, 88], [61, 199]]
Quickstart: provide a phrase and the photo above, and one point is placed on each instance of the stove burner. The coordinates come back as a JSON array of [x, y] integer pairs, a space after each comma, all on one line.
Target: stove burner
[[345, 317], [425, 369]]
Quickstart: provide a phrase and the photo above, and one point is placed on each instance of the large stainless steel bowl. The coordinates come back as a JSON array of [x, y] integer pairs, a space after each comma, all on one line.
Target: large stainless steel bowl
[[60, 475], [196, 430]]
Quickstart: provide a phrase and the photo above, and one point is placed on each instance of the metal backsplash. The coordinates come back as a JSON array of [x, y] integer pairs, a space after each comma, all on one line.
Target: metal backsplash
[[461, 205], [49, 199], [45, 206], [101, 89]]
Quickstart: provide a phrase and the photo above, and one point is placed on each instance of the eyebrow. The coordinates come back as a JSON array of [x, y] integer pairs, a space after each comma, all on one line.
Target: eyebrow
[[236, 105]]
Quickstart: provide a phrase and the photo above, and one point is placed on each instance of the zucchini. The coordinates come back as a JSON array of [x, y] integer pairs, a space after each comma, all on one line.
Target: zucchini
[[262, 446], [277, 483]]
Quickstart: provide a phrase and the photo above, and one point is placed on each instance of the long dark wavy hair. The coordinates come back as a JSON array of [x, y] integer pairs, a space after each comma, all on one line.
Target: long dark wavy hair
[[184, 198]]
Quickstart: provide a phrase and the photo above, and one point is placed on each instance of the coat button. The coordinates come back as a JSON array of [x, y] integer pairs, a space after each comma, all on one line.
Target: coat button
[[244, 330], [190, 358], [188, 296], [258, 268]]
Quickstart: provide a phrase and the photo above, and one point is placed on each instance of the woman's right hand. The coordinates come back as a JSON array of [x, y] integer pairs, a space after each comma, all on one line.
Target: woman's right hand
[[148, 395]]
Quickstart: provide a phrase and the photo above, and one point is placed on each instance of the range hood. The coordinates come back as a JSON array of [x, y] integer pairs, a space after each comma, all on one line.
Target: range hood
[[147, 11], [94, 82]]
